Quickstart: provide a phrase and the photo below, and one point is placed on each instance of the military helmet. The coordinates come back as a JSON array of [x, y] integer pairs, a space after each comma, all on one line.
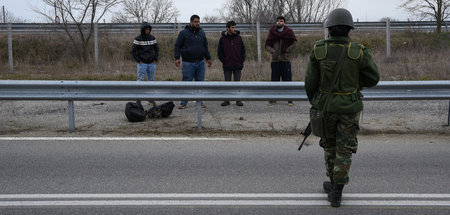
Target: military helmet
[[339, 16]]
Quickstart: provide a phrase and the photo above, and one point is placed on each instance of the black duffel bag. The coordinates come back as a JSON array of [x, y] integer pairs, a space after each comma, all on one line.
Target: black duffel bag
[[163, 110], [135, 112]]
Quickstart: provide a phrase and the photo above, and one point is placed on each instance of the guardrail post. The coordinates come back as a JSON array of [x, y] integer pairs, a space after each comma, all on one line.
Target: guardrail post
[[71, 116], [199, 114], [10, 48], [388, 38], [96, 46]]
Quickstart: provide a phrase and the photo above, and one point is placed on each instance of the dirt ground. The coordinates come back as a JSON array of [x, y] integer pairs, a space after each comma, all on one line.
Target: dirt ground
[[107, 118]]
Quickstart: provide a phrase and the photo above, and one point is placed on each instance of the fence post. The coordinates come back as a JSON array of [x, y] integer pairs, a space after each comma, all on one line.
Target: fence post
[[71, 116], [4, 14], [10, 48], [388, 38], [96, 46], [258, 40], [175, 27]]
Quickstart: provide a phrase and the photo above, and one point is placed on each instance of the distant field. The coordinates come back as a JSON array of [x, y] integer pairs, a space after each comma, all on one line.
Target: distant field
[[415, 56]]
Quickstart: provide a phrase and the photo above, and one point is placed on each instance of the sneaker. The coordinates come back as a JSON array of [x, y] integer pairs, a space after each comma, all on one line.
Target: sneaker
[[182, 106], [271, 103], [225, 103], [152, 103], [290, 103], [239, 103], [203, 106]]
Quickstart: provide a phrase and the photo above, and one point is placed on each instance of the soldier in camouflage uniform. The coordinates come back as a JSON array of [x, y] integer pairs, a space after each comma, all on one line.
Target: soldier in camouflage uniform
[[345, 104]]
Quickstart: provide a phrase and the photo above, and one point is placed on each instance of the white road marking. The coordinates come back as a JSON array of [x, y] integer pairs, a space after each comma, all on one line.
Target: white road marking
[[222, 199], [116, 138], [218, 202], [218, 195]]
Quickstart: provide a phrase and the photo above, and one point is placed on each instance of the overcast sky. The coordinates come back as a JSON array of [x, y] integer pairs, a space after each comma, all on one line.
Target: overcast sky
[[362, 10]]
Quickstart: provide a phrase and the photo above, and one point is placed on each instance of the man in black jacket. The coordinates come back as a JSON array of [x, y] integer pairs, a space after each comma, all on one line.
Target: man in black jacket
[[192, 46], [145, 51], [231, 52]]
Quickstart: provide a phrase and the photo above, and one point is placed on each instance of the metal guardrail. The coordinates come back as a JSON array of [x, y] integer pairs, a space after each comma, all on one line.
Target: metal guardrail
[[215, 27], [203, 91]]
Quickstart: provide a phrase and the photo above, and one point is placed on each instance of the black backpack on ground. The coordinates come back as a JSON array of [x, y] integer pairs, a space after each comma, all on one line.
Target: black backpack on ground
[[163, 110], [135, 112]]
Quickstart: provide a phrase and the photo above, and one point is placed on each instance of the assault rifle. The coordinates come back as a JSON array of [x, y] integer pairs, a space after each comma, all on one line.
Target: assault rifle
[[306, 134]]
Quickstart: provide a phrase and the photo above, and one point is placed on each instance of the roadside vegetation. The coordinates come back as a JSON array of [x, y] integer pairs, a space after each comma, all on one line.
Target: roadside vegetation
[[415, 56]]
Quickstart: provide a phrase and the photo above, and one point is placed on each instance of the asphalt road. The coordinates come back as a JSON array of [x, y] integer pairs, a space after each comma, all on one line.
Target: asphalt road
[[391, 174]]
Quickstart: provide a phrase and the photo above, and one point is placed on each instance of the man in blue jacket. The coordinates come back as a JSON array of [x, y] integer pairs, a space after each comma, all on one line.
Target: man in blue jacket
[[192, 46], [231, 52], [145, 51]]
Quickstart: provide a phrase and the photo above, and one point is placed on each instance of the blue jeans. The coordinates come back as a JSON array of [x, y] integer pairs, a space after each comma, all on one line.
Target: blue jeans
[[144, 69], [193, 71]]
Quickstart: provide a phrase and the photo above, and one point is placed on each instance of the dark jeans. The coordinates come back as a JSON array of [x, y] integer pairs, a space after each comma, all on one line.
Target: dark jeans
[[281, 70], [236, 74]]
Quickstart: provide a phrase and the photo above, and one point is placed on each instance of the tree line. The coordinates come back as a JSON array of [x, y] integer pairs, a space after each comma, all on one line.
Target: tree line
[[82, 12]]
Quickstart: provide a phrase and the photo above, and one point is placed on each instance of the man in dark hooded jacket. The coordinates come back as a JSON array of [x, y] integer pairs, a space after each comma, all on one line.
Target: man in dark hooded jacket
[[231, 52], [145, 51], [280, 43]]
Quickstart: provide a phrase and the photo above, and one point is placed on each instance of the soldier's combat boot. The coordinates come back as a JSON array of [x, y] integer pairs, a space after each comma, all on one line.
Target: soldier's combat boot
[[328, 185], [335, 196]]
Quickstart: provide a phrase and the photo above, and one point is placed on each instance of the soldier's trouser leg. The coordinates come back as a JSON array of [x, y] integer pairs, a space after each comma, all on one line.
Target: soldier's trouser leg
[[338, 151]]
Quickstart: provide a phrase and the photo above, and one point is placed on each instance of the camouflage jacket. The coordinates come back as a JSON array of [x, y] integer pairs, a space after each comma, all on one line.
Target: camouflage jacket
[[358, 71]]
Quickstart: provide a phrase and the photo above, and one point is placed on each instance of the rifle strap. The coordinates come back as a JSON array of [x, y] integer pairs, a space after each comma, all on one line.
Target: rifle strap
[[337, 71]]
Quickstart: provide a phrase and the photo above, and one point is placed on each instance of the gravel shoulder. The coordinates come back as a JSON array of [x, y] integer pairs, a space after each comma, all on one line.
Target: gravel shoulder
[[107, 118]]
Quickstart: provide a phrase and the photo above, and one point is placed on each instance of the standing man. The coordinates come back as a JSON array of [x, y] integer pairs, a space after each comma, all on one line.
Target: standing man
[[343, 108], [145, 51], [231, 52], [192, 45], [280, 43]]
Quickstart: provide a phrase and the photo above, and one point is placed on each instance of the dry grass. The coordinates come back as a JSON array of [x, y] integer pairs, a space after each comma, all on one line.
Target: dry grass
[[416, 56]]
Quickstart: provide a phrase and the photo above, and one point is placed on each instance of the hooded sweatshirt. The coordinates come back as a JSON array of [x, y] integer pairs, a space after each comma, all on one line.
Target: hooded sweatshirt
[[145, 48], [231, 51]]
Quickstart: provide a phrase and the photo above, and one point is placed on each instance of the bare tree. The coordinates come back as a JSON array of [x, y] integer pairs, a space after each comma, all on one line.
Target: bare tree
[[83, 14], [437, 9], [241, 10], [211, 19], [311, 10], [133, 10], [266, 11], [163, 11], [153, 11]]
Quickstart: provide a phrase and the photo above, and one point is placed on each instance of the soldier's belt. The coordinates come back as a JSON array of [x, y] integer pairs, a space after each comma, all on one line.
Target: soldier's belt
[[340, 93]]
